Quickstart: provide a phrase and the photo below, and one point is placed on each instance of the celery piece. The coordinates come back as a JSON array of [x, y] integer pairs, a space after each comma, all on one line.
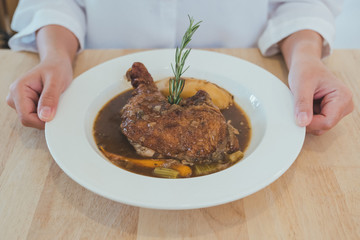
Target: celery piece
[[236, 156], [204, 169], [165, 172]]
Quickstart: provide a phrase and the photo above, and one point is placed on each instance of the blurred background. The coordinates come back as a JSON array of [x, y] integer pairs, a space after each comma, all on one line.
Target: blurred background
[[347, 24], [7, 8]]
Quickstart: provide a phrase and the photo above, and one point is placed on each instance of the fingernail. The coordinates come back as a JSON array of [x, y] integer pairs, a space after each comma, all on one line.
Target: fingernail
[[302, 119], [45, 113]]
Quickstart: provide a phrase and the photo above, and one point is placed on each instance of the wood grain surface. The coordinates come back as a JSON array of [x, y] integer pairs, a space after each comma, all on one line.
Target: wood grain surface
[[317, 198]]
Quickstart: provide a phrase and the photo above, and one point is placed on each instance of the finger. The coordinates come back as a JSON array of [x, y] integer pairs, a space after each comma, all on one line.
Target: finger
[[303, 95], [10, 101], [318, 132], [32, 120], [333, 108], [320, 124], [49, 100], [25, 101]]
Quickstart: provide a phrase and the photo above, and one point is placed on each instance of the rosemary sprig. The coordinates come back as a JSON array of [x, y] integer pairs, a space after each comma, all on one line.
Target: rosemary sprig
[[176, 84]]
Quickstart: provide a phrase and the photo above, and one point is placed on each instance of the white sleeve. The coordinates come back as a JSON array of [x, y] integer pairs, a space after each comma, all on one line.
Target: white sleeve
[[289, 16], [31, 15]]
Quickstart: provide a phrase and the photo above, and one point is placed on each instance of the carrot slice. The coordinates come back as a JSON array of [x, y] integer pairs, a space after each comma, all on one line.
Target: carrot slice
[[150, 163], [184, 170]]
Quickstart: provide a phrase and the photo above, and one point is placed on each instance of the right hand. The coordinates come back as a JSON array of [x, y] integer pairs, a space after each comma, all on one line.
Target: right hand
[[35, 95], [321, 99]]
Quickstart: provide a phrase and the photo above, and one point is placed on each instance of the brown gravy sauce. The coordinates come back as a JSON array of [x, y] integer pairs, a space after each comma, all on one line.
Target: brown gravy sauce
[[107, 133]]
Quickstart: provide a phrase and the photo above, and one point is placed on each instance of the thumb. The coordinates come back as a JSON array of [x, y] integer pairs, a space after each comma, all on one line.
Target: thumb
[[303, 106], [48, 102]]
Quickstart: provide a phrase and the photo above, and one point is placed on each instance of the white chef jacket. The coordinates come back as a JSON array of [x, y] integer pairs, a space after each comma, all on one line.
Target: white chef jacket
[[162, 23]]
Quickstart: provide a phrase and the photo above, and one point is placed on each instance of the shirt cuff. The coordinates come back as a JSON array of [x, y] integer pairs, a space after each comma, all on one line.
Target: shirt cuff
[[25, 39], [268, 41]]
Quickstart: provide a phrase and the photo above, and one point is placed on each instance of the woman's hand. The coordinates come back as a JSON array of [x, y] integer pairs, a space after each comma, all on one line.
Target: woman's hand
[[321, 99], [35, 95]]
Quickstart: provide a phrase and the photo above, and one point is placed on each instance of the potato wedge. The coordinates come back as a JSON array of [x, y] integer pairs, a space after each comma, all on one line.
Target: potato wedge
[[220, 97]]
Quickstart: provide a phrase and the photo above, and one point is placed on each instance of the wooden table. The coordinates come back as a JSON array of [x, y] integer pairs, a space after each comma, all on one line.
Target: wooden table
[[317, 198]]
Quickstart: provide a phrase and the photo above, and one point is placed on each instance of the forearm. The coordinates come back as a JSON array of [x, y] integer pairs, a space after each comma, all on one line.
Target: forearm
[[301, 46], [56, 42]]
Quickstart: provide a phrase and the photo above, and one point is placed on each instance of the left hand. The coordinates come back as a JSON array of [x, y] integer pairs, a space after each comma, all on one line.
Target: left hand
[[321, 99]]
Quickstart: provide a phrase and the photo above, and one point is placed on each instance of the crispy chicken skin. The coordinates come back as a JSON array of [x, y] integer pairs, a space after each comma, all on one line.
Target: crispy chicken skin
[[194, 131]]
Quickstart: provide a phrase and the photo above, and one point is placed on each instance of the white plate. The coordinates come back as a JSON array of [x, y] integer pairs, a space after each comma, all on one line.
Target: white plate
[[276, 140]]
